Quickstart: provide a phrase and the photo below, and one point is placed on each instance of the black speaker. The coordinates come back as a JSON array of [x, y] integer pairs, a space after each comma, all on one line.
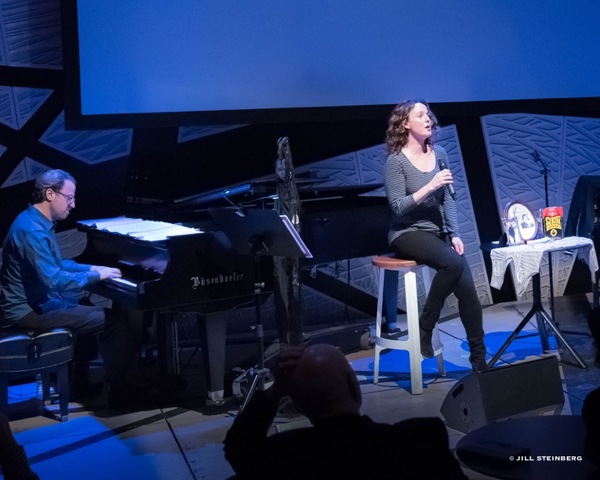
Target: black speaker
[[523, 389]]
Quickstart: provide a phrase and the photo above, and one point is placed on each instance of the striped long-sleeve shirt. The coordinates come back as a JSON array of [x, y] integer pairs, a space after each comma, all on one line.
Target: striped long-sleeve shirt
[[436, 214]]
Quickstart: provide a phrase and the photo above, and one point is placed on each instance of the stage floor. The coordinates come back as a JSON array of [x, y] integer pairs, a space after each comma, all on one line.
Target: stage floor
[[183, 440]]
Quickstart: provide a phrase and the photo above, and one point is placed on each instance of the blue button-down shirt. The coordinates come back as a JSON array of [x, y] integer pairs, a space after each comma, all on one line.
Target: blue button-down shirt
[[34, 276]]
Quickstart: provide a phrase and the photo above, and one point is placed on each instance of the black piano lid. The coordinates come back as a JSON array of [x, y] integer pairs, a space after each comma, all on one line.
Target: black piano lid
[[336, 192], [212, 195], [236, 195]]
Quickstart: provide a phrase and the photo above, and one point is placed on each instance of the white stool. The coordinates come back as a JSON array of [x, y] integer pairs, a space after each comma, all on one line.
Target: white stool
[[412, 344]]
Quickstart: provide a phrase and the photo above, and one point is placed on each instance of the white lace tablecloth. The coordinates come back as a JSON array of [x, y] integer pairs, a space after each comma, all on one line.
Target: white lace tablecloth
[[526, 259]]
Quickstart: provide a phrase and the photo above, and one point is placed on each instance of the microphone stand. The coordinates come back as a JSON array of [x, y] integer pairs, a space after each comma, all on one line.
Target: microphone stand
[[544, 170]]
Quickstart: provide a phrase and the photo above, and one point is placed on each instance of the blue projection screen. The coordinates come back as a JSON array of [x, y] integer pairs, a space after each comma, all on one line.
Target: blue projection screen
[[140, 57]]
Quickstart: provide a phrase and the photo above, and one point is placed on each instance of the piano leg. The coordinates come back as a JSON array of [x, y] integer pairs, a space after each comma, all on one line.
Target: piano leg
[[166, 339], [213, 336]]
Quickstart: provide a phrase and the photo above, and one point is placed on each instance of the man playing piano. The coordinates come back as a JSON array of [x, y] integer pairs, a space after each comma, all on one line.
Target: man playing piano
[[41, 291]]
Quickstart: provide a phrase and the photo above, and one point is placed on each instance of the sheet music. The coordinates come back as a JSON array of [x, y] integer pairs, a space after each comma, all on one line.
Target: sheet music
[[148, 230]]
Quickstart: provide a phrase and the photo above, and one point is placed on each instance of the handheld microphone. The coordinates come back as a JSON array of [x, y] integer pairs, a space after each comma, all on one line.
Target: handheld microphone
[[450, 187]]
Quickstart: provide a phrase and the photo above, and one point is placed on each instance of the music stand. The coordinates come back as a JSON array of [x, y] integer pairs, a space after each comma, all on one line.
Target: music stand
[[259, 232]]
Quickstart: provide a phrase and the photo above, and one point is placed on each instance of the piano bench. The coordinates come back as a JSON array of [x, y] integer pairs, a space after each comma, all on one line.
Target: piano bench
[[412, 344], [25, 353]]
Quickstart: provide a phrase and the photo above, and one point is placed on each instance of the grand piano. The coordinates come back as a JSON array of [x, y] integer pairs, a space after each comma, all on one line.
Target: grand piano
[[201, 272], [337, 222]]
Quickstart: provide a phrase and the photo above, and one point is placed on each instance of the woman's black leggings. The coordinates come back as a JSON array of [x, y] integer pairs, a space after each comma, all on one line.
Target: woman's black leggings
[[453, 275]]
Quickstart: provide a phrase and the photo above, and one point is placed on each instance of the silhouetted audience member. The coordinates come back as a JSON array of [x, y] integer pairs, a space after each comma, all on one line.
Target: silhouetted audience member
[[591, 405], [341, 443], [13, 460]]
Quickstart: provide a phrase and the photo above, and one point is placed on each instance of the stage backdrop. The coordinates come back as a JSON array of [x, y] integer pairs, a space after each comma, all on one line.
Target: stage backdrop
[[33, 136]]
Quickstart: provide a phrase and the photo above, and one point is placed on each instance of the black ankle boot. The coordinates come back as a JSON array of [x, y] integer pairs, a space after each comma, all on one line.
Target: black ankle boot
[[426, 347], [479, 365], [478, 353]]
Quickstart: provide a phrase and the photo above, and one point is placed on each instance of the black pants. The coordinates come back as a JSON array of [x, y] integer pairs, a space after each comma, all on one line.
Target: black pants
[[88, 323], [453, 275]]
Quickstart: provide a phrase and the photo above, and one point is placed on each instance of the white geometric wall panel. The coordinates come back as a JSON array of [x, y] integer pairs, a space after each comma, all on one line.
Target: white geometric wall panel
[[27, 170], [187, 134], [89, 146], [569, 145], [337, 171], [31, 34], [18, 104]]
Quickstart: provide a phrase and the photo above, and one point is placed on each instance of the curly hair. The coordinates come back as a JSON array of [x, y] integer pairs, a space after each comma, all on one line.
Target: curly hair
[[50, 179], [396, 134]]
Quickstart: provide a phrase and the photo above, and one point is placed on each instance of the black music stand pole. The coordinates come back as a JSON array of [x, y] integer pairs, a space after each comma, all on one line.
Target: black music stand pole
[[259, 232], [258, 373], [544, 170], [550, 273]]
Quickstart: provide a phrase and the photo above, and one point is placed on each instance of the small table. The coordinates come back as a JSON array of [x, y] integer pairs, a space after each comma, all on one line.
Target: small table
[[536, 447], [526, 260]]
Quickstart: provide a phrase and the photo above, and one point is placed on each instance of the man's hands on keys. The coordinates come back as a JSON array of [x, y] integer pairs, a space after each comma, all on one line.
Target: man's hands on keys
[[107, 272]]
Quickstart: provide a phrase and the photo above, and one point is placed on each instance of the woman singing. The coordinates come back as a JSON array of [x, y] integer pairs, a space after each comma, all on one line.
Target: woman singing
[[425, 225]]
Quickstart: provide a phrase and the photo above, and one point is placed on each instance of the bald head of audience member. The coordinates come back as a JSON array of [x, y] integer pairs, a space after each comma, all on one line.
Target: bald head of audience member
[[322, 383]]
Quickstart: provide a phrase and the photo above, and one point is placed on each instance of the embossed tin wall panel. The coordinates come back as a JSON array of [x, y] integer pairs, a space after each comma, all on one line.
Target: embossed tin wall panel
[[18, 104], [31, 34], [89, 146]]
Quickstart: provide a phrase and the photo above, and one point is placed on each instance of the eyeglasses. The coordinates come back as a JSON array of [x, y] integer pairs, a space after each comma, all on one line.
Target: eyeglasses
[[69, 198]]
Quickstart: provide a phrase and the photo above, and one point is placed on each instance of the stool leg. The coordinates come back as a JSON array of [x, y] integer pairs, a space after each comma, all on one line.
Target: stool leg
[[46, 400], [378, 319], [3, 394], [63, 391], [412, 320]]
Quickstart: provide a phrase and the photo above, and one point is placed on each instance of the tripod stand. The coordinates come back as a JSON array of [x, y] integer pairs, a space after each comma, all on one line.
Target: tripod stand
[[542, 316], [260, 233], [527, 260]]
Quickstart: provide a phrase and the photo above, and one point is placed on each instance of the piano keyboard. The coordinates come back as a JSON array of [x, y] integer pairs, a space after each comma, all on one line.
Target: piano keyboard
[[123, 283]]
